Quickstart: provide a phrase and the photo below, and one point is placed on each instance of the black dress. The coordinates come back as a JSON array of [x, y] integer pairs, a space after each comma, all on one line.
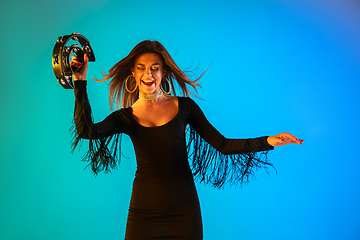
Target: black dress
[[164, 201]]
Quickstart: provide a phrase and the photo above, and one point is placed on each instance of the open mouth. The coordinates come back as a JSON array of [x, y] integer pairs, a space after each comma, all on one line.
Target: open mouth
[[148, 82]]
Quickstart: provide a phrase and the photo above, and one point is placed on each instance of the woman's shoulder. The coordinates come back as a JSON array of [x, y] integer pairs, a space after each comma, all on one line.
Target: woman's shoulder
[[123, 112], [188, 105], [187, 101]]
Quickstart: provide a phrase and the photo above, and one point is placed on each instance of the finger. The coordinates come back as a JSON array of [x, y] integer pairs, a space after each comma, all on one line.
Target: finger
[[297, 141], [74, 61], [74, 58], [86, 59], [281, 141], [291, 137], [75, 64]]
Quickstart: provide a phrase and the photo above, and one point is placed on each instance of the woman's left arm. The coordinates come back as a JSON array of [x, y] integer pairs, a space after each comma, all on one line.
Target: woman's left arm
[[229, 146], [218, 160], [224, 145]]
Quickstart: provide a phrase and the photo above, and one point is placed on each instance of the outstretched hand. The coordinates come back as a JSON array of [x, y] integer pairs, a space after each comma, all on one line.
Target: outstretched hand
[[81, 74], [283, 139]]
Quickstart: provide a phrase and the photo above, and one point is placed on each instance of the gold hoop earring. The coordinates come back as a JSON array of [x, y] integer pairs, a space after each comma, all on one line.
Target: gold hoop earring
[[127, 84], [162, 89]]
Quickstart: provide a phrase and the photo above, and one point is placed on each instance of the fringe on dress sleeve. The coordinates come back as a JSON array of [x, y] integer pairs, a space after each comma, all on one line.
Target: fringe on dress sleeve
[[104, 151], [212, 167]]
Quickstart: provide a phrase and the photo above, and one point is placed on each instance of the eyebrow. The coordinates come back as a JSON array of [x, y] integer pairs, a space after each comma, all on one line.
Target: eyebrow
[[151, 65]]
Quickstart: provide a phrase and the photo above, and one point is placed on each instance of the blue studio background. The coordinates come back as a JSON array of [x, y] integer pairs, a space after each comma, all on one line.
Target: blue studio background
[[276, 65]]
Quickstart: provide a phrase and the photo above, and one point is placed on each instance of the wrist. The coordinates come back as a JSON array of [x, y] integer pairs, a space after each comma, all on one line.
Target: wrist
[[270, 141]]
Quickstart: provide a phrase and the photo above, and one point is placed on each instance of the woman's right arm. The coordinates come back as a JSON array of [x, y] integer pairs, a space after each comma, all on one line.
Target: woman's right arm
[[103, 136], [85, 128], [82, 114]]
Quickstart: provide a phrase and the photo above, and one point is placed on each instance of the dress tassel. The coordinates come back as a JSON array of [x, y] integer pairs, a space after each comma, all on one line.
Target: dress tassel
[[217, 169], [103, 151]]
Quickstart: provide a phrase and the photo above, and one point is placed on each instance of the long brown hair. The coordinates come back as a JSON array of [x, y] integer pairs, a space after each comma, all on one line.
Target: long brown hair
[[119, 97]]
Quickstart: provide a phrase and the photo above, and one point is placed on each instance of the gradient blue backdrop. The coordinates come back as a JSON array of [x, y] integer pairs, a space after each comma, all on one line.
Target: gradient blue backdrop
[[277, 65]]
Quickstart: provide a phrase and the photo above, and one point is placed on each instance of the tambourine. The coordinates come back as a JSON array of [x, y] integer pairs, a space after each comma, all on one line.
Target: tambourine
[[61, 57]]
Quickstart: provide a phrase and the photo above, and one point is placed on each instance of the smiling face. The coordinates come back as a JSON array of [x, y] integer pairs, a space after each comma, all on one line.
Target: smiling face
[[148, 71]]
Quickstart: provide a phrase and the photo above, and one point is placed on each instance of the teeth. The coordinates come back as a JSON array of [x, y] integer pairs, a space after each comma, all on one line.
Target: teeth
[[148, 81]]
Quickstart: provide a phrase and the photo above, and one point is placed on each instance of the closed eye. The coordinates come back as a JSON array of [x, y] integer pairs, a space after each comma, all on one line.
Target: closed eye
[[154, 67]]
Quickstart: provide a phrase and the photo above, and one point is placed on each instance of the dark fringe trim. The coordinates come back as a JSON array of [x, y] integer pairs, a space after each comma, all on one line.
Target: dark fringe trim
[[212, 167], [100, 156]]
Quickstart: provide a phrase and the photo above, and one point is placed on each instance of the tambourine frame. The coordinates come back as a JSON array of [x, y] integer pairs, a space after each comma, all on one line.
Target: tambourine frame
[[61, 57]]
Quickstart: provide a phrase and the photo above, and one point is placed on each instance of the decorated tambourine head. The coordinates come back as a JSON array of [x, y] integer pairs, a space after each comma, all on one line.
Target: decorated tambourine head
[[65, 47]]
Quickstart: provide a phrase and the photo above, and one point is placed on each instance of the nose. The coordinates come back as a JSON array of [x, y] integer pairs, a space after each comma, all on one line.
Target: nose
[[148, 72]]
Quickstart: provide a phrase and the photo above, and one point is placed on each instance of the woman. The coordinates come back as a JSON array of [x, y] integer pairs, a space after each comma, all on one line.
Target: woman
[[165, 130]]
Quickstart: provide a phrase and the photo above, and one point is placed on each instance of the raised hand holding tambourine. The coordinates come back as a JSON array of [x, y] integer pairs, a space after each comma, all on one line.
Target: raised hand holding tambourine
[[63, 66]]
